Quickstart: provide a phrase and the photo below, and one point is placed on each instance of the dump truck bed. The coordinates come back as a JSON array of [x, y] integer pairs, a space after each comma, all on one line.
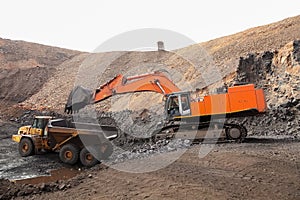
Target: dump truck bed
[[62, 135]]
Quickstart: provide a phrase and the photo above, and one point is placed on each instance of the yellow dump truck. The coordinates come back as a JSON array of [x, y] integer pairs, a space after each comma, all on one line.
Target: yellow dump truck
[[47, 134]]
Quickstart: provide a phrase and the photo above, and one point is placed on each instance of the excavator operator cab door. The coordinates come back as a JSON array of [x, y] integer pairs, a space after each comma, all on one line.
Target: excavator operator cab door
[[185, 108], [178, 105]]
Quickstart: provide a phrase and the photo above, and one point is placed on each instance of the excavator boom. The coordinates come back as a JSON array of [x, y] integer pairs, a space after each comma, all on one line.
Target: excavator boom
[[154, 82]]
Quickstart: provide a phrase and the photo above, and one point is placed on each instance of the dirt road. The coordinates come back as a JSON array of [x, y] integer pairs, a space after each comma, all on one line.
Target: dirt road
[[256, 169]]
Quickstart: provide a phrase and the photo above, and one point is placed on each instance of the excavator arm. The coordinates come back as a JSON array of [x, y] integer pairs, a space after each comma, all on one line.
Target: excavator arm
[[154, 82]]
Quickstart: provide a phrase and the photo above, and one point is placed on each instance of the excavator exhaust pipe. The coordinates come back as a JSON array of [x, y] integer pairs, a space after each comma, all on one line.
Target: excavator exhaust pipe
[[78, 98]]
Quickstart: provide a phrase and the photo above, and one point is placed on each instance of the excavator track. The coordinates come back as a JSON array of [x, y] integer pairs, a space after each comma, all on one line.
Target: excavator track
[[231, 132], [227, 131]]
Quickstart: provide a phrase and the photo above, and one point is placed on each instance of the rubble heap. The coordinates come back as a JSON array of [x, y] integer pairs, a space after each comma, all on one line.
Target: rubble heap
[[278, 73]]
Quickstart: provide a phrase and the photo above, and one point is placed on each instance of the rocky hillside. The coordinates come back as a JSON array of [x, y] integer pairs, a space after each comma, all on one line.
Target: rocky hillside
[[278, 73], [263, 38], [267, 56], [25, 67], [224, 53], [21, 54]]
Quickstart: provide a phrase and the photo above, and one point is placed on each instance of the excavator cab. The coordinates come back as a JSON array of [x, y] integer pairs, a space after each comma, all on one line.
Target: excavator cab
[[178, 104]]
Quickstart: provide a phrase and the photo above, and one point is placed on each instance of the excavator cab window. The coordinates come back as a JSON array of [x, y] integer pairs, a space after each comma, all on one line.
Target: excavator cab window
[[173, 106], [185, 105], [178, 104]]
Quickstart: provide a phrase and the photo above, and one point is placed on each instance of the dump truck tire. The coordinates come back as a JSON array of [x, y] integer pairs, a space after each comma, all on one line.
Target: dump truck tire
[[69, 154], [26, 147], [87, 159]]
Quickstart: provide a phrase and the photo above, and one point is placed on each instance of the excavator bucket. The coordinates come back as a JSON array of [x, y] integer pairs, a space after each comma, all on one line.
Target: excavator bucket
[[78, 99]]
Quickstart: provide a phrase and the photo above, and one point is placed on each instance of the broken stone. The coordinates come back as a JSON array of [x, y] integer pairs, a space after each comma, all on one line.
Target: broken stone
[[61, 186]]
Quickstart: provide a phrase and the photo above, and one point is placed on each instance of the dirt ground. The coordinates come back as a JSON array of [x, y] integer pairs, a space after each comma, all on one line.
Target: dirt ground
[[259, 168]]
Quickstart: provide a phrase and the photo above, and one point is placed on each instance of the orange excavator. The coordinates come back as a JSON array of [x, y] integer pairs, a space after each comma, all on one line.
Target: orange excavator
[[182, 109]]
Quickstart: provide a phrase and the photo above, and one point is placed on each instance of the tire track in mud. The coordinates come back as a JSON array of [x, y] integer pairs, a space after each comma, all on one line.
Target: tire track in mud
[[13, 166], [230, 171]]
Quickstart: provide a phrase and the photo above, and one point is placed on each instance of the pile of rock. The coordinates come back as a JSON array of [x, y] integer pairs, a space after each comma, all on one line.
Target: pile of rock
[[144, 150], [278, 73], [10, 189]]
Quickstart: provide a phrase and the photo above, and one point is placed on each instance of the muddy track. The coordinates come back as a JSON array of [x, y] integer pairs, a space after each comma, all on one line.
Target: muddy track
[[230, 171], [261, 167], [13, 166]]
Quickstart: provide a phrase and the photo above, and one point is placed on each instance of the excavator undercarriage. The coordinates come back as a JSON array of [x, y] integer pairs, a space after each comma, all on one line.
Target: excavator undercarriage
[[200, 131]]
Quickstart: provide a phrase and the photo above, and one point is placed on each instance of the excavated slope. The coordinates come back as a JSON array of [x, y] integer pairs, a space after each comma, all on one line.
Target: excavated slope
[[189, 67], [25, 67], [21, 54]]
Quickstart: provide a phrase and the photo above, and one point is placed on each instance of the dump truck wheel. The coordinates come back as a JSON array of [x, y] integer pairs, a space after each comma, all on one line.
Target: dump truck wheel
[[87, 159], [26, 147], [69, 154], [106, 150]]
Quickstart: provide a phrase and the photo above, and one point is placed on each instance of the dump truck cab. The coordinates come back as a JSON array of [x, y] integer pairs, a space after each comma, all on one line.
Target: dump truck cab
[[36, 129], [31, 136], [39, 125]]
